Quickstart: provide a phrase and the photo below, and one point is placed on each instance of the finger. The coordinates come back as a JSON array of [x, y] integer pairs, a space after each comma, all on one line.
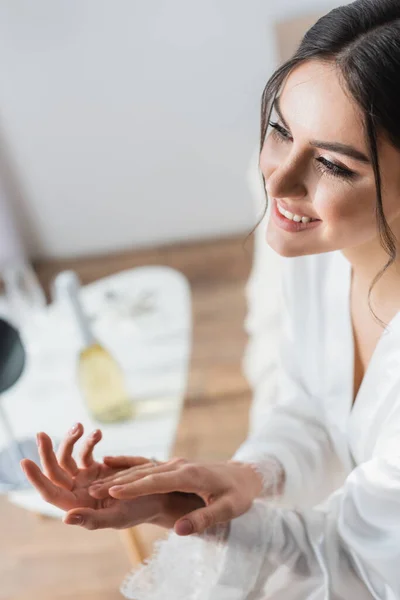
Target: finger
[[100, 489], [50, 493], [221, 511], [67, 445], [50, 464], [142, 463], [129, 475], [159, 483], [90, 518], [86, 454], [110, 478], [124, 462]]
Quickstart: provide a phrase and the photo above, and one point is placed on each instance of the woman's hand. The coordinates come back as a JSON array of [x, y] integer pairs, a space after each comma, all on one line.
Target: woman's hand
[[65, 485], [226, 488]]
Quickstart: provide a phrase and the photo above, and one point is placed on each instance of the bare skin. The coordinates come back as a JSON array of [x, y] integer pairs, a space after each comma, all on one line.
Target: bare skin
[[66, 485], [185, 490]]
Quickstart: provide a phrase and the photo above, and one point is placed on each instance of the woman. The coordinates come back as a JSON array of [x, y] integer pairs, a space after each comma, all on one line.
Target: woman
[[331, 167]]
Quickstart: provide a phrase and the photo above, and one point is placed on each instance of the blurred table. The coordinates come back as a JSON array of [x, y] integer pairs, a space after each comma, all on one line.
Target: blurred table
[[143, 317]]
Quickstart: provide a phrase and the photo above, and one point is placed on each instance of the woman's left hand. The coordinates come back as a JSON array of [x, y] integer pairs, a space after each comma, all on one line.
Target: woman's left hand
[[227, 488], [64, 483]]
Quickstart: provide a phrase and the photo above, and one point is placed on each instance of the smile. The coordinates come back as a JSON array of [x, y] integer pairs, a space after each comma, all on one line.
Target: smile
[[293, 217], [290, 222]]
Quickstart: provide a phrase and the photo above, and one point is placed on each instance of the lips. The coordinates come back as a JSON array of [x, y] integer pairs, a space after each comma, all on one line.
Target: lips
[[295, 211], [290, 226]]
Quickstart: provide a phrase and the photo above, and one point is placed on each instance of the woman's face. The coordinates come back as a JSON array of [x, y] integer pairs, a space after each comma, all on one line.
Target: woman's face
[[316, 165]]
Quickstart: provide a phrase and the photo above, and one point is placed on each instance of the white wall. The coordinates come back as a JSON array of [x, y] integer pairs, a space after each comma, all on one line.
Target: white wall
[[131, 122]]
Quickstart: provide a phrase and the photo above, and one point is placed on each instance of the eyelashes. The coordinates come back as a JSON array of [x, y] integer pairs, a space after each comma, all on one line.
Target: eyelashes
[[326, 167]]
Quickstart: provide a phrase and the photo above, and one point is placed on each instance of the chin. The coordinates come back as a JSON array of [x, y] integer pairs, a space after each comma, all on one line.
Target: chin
[[281, 247], [280, 244]]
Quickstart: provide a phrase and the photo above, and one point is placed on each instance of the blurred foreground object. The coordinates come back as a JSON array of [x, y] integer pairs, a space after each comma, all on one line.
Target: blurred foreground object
[[100, 377], [12, 364], [24, 294]]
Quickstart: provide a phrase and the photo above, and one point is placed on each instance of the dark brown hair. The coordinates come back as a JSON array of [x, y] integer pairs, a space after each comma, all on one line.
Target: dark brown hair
[[363, 40]]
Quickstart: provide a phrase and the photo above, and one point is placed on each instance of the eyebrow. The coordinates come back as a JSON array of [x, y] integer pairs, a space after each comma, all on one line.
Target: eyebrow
[[331, 146]]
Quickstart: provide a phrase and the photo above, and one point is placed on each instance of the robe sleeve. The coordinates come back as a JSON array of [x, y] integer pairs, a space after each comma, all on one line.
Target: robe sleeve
[[288, 422], [349, 547]]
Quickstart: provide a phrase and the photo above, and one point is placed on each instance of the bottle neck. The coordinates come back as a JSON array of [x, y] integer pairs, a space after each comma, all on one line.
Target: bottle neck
[[66, 289], [82, 320]]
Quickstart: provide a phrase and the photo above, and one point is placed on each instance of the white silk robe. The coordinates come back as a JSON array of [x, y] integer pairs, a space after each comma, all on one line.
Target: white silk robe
[[335, 532]]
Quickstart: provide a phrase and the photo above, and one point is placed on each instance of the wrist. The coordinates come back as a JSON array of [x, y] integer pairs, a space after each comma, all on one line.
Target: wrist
[[268, 477]]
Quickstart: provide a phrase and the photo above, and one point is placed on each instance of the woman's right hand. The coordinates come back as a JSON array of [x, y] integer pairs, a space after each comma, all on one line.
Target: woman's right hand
[[65, 485]]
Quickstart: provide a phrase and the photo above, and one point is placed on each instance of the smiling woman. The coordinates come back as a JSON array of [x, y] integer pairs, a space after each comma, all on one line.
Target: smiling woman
[[330, 167], [330, 179]]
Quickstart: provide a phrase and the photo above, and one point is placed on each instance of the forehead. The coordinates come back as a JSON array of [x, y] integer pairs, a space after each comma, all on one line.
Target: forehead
[[314, 102]]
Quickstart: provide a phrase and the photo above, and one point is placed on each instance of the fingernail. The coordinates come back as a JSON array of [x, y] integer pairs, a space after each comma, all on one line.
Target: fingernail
[[116, 488], [75, 520], [94, 486], [38, 439], [184, 527], [74, 429], [95, 433]]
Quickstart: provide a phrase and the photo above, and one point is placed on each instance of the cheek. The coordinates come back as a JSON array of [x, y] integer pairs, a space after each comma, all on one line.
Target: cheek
[[346, 209], [272, 155], [332, 204]]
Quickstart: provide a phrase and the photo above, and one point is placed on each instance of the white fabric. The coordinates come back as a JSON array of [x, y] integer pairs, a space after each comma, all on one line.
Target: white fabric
[[337, 533], [263, 322]]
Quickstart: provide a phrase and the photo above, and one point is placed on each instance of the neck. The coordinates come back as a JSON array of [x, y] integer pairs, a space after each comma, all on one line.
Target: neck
[[367, 261]]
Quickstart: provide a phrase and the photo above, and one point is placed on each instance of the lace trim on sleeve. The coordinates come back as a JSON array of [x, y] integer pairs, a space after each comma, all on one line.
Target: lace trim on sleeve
[[272, 475], [190, 567], [187, 566]]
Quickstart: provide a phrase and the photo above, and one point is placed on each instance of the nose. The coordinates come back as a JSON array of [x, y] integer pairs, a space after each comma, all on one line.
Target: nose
[[286, 181]]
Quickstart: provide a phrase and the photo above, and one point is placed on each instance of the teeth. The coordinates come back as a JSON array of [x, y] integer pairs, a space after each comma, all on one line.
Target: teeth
[[292, 217]]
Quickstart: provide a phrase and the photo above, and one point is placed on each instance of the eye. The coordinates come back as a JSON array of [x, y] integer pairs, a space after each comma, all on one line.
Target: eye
[[329, 168], [280, 132], [325, 166]]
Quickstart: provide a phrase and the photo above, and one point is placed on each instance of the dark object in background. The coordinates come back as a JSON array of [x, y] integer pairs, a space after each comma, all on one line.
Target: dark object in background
[[12, 364], [12, 356]]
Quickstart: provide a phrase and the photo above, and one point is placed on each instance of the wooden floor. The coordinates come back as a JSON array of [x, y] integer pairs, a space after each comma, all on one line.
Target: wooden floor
[[42, 559]]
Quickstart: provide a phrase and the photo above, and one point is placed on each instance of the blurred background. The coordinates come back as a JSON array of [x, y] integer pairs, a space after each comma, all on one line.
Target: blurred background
[[129, 133]]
